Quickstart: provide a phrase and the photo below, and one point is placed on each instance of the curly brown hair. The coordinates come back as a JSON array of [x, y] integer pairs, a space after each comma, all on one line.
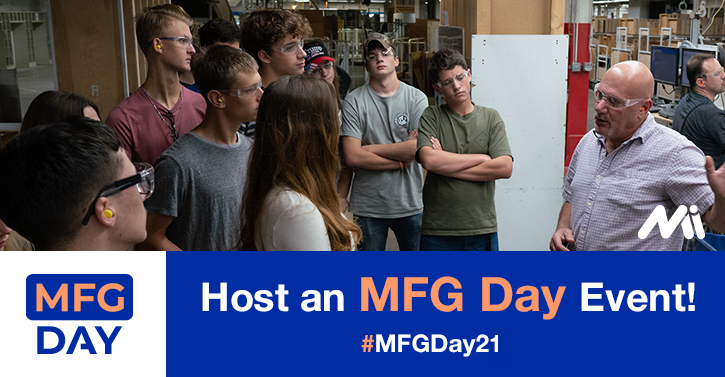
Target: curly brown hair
[[264, 27]]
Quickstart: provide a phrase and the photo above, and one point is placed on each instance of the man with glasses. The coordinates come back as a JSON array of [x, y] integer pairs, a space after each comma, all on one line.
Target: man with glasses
[[627, 166], [380, 123], [70, 186], [274, 38], [465, 150], [201, 177], [161, 110], [696, 117]]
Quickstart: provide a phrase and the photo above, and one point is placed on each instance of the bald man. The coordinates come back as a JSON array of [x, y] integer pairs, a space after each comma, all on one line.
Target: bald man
[[627, 166]]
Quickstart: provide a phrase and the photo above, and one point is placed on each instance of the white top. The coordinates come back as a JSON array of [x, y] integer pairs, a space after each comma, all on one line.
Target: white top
[[290, 221]]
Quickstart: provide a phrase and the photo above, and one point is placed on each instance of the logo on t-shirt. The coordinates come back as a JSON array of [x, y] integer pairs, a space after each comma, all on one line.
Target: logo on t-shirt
[[401, 120]]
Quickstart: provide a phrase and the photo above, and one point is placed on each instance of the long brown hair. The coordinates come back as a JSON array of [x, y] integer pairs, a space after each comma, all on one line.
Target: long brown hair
[[295, 147], [55, 105]]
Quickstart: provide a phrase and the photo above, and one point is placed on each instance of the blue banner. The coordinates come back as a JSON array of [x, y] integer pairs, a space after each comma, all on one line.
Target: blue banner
[[425, 313]]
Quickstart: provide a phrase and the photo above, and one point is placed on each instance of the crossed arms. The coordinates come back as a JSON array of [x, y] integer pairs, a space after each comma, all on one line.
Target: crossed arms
[[379, 156], [470, 167]]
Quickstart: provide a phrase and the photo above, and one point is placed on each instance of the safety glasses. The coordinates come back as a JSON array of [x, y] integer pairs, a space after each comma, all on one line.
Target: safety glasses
[[143, 180], [614, 102]]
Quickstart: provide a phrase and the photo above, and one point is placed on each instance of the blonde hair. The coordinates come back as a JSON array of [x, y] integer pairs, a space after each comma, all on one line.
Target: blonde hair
[[154, 22]]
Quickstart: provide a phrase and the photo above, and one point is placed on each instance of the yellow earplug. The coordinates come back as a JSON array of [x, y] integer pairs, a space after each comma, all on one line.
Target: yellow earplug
[[107, 213], [219, 100], [158, 46]]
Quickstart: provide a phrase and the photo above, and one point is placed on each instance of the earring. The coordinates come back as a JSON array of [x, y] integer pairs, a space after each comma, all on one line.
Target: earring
[[219, 100], [107, 213]]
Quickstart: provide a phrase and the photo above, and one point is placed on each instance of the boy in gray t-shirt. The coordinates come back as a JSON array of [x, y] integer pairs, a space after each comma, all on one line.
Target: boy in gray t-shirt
[[380, 122], [200, 179]]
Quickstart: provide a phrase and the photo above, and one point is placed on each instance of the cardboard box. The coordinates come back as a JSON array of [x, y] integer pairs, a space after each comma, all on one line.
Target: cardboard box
[[679, 23], [634, 24], [422, 28], [316, 20]]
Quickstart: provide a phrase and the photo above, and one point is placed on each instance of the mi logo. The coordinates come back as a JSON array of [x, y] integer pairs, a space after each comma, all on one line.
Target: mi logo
[[667, 227]]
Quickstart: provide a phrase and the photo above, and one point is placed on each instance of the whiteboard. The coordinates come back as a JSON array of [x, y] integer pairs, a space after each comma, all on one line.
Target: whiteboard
[[524, 77]]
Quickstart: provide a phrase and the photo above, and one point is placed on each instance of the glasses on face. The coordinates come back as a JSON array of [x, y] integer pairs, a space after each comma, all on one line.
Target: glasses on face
[[384, 53], [244, 92], [717, 73], [447, 83], [143, 180], [290, 47], [614, 102], [185, 42]]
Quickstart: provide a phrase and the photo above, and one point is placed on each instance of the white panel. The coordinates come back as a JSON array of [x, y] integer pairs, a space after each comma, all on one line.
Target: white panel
[[524, 78], [138, 350]]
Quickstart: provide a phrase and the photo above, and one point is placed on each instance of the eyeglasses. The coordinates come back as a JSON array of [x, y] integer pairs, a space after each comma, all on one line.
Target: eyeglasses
[[143, 180], [245, 92], [716, 74], [615, 102], [290, 47], [185, 42], [374, 55], [447, 83]]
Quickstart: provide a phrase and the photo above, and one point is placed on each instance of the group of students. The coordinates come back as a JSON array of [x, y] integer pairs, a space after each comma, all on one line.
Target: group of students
[[278, 182]]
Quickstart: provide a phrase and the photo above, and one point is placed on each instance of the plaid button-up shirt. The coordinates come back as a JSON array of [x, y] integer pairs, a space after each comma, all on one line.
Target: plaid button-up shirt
[[612, 195]]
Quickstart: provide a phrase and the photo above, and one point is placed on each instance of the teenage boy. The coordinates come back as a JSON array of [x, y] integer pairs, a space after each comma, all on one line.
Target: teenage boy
[[201, 177], [69, 185], [465, 150], [380, 122], [161, 110], [216, 31], [275, 37]]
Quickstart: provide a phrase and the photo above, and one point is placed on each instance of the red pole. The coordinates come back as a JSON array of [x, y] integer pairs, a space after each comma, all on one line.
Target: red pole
[[577, 105]]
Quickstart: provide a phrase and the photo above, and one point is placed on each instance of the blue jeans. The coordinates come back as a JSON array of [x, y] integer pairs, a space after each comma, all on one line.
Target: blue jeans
[[375, 232], [481, 242]]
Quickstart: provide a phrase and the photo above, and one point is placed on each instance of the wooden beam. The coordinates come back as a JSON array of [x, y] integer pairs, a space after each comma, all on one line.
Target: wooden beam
[[558, 10]]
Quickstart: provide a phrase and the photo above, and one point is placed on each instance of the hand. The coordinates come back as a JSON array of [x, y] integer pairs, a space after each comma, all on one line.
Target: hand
[[344, 204], [436, 145], [412, 135], [715, 177], [561, 240]]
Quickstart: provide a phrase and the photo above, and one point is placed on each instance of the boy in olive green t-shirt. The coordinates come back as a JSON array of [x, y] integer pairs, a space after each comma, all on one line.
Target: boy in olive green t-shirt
[[465, 149]]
